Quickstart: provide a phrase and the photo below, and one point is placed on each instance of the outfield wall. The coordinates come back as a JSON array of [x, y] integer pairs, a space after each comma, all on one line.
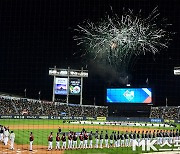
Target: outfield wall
[[129, 119], [142, 119], [45, 117], [136, 119]]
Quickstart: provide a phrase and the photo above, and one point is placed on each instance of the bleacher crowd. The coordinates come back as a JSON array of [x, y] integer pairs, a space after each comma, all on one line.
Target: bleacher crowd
[[170, 112], [23, 106]]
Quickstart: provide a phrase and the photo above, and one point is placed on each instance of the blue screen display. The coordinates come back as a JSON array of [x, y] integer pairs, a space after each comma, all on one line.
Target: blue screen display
[[129, 95]]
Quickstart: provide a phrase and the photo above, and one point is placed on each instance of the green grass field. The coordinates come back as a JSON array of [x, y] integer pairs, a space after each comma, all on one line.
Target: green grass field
[[41, 135], [7, 122]]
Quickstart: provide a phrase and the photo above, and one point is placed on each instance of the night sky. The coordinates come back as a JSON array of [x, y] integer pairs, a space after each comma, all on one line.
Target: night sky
[[38, 34]]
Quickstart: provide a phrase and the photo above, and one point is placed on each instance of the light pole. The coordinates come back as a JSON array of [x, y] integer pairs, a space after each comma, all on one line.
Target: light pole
[[25, 92], [39, 95]]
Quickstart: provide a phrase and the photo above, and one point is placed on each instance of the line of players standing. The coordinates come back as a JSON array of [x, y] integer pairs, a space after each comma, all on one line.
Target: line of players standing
[[115, 139], [5, 135]]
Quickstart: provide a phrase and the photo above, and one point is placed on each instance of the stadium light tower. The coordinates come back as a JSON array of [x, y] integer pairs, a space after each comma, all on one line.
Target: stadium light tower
[[69, 83]]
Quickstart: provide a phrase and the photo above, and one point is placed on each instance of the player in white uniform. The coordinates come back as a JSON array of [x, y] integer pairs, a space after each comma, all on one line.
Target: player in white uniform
[[90, 139], [63, 138], [131, 138], [118, 139], [6, 135], [74, 141], [70, 140], [111, 139], [58, 141], [85, 140], [50, 140], [138, 137], [106, 140], [1, 132], [101, 140], [97, 139], [126, 136], [81, 138], [12, 138], [115, 139], [31, 139]]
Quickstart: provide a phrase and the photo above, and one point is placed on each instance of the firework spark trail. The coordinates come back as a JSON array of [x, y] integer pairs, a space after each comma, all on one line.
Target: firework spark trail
[[118, 39]]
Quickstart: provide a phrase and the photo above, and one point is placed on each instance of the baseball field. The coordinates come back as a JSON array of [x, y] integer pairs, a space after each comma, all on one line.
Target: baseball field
[[42, 128]]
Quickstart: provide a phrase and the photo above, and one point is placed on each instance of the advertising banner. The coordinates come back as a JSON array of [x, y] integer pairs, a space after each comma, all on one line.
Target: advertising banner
[[156, 120], [169, 121], [101, 118], [60, 86], [74, 86], [41, 117]]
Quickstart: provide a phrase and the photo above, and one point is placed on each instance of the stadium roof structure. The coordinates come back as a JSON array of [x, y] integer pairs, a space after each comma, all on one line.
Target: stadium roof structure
[[8, 94]]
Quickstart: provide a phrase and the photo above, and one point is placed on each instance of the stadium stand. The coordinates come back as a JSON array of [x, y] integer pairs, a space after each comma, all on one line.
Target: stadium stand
[[170, 112], [23, 106]]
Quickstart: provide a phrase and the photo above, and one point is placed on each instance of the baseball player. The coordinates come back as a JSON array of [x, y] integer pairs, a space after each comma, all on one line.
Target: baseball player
[[167, 136], [174, 136], [101, 139], [81, 140], [85, 140], [1, 132], [149, 136], [134, 136], [131, 138], [59, 130], [83, 130], [158, 137], [170, 137], [97, 139], [143, 137], [6, 135], [74, 141], [138, 137], [90, 139], [154, 135], [50, 140], [126, 136], [177, 135], [106, 140], [118, 139], [122, 140], [31, 139], [164, 136], [58, 141], [111, 139], [70, 140], [146, 137], [63, 139], [115, 139], [12, 138]]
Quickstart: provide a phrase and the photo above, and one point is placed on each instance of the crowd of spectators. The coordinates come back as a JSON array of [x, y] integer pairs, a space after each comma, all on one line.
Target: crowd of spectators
[[23, 106], [7, 106], [170, 112]]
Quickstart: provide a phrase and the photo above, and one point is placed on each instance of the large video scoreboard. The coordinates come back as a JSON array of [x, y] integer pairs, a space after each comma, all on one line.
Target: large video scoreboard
[[129, 95]]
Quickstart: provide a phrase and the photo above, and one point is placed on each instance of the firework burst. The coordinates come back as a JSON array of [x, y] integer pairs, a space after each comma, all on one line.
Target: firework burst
[[117, 39]]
